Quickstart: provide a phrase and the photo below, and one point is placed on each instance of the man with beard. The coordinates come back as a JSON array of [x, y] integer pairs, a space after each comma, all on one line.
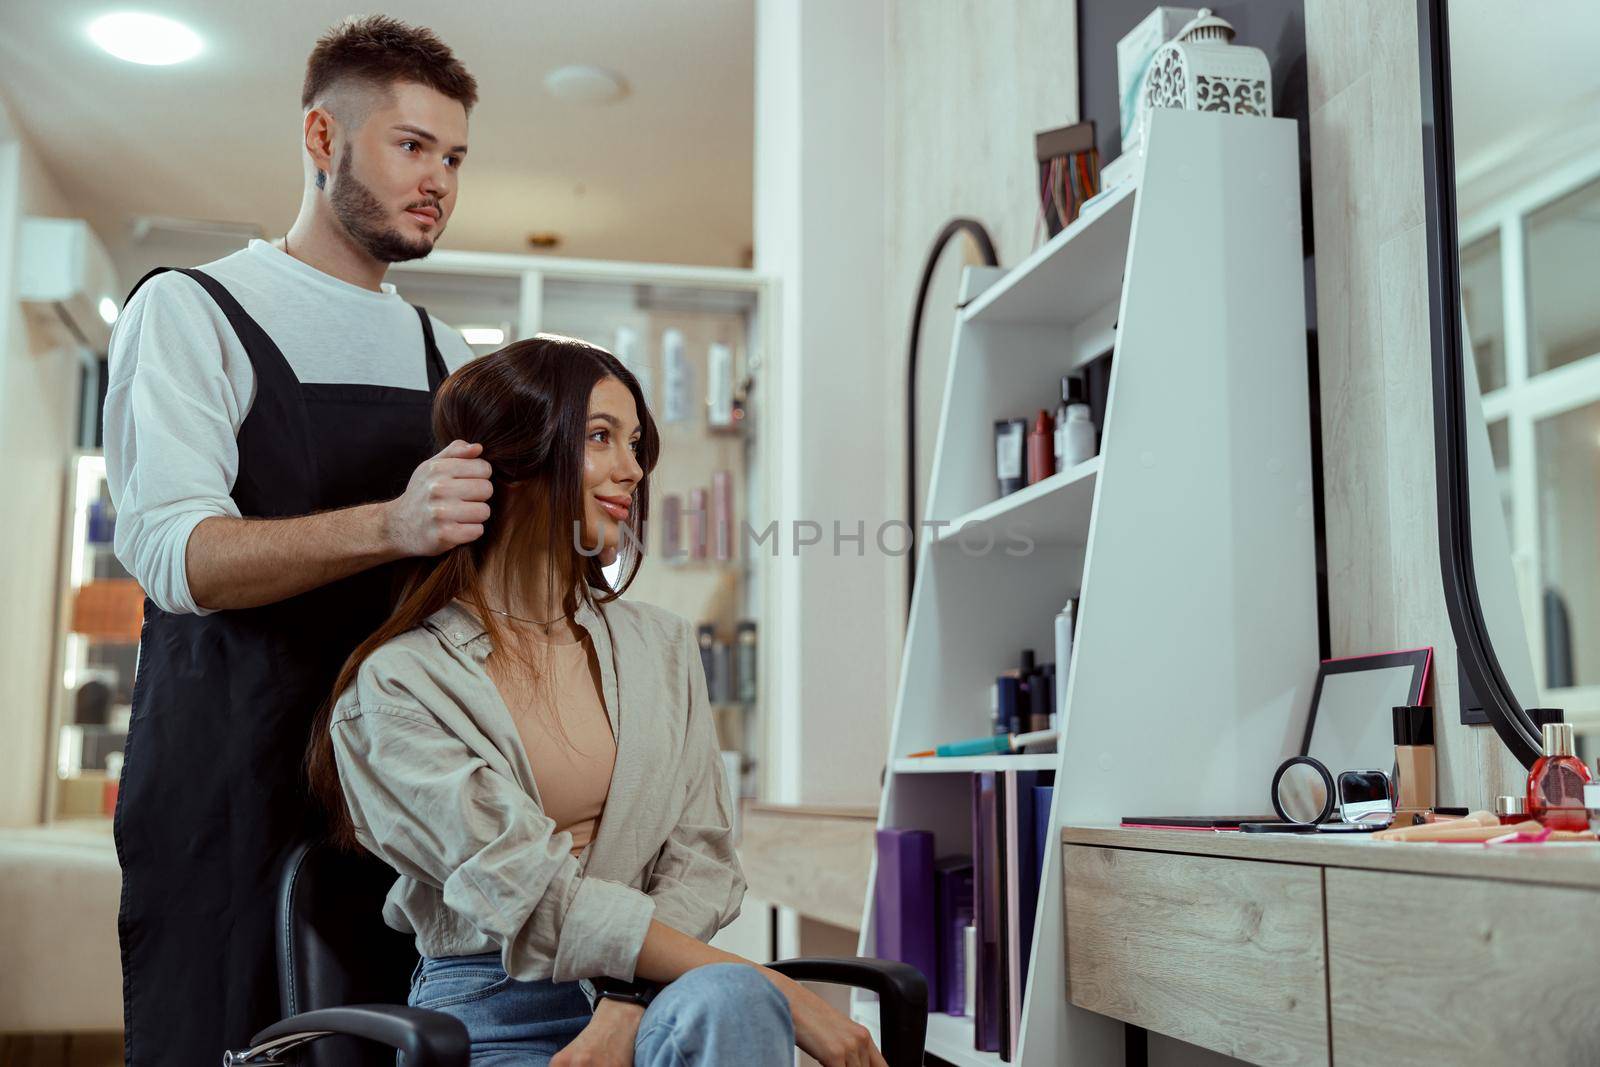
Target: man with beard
[[268, 445]]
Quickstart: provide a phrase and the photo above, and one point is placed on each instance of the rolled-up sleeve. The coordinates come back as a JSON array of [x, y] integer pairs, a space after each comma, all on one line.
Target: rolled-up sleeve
[[172, 418], [696, 881], [428, 805]]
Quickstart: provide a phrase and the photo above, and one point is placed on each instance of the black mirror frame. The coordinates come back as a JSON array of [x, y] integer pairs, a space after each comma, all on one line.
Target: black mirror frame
[[1473, 644]]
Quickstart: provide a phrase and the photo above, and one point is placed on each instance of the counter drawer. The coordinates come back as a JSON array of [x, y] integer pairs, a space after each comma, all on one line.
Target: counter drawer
[[1462, 971], [1222, 953]]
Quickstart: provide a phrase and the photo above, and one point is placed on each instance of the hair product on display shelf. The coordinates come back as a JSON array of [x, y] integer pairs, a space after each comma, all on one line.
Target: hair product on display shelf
[[672, 527], [722, 515], [628, 349], [745, 640], [719, 386], [1041, 448], [677, 374], [1008, 453], [706, 633], [698, 521]]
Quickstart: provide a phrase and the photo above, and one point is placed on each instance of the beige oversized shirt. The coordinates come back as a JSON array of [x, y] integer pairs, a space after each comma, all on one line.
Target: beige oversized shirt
[[567, 735], [440, 787]]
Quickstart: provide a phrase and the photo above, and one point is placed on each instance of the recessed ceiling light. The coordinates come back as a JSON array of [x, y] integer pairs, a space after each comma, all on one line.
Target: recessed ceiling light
[[148, 39], [108, 310], [585, 85]]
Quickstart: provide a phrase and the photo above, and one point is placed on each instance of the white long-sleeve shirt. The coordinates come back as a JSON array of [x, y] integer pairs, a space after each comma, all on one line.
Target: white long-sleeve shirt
[[180, 386]]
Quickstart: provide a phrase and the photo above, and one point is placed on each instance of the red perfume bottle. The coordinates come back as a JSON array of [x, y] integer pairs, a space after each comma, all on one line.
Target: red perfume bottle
[[1555, 785]]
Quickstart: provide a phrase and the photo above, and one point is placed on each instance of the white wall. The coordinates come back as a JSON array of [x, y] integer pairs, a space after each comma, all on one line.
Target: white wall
[[38, 426], [819, 230]]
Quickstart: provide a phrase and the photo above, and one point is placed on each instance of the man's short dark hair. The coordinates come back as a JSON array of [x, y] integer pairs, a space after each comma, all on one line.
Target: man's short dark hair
[[377, 51]]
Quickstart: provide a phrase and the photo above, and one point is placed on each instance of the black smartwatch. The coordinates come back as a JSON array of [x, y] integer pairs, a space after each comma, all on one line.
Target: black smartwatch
[[640, 993]]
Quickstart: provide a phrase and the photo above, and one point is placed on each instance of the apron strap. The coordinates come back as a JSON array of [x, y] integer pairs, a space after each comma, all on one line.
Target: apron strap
[[437, 372], [265, 356]]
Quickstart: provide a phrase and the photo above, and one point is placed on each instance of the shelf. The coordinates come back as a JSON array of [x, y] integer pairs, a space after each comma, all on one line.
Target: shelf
[[1042, 761], [1077, 271], [1053, 511], [949, 1036]]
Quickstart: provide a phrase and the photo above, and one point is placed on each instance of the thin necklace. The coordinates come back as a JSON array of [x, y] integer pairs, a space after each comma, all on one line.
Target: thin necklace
[[531, 622]]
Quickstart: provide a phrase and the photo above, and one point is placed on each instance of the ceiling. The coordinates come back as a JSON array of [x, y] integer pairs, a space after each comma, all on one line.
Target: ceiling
[[663, 175], [1519, 71]]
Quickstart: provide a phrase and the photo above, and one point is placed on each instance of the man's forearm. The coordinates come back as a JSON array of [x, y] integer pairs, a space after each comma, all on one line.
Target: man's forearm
[[245, 563]]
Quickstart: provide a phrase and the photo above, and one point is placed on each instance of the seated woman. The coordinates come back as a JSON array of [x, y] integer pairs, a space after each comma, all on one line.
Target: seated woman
[[536, 758]]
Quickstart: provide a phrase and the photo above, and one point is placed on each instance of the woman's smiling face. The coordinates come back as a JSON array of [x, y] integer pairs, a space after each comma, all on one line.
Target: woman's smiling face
[[611, 468]]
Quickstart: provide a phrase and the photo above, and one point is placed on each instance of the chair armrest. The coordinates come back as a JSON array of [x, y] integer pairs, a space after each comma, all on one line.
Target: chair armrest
[[902, 998], [428, 1038]]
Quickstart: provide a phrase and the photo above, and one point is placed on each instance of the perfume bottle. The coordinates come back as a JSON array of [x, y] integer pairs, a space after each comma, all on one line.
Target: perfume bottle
[[1555, 785]]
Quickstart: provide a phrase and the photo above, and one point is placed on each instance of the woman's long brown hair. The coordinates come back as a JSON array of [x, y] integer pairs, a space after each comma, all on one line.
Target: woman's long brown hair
[[528, 405]]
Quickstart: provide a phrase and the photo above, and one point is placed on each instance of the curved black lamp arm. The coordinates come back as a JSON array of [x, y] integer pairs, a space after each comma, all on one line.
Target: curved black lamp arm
[[1473, 643], [980, 236], [902, 998], [428, 1038]]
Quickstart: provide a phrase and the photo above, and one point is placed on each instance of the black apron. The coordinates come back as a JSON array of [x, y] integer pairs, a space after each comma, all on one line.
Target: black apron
[[213, 791]]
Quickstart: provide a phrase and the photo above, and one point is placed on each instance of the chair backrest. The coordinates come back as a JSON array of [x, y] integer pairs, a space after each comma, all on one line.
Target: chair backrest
[[333, 947]]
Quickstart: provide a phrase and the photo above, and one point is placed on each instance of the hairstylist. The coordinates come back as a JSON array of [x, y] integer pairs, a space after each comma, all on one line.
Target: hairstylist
[[268, 447]]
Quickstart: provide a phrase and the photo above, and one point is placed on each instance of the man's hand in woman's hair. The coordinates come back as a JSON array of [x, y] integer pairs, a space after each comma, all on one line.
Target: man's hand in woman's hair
[[608, 1039], [445, 503]]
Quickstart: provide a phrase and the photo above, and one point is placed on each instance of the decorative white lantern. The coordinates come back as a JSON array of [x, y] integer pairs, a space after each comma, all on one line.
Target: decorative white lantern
[[1202, 70]]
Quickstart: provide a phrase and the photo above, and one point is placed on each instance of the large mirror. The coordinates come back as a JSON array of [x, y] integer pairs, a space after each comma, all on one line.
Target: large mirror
[[1511, 112]]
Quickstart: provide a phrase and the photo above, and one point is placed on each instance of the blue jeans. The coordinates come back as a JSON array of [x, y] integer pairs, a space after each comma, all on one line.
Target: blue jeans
[[725, 1013]]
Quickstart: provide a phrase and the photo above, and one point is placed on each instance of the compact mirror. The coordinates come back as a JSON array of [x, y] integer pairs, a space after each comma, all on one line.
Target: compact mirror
[[1302, 791], [1364, 797]]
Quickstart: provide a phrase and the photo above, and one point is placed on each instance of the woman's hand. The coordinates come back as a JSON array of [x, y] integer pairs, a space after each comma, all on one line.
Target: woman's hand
[[608, 1039], [823, 1033]]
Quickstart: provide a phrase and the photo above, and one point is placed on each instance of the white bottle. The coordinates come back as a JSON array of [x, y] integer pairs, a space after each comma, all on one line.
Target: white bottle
[[1064, 622], [969, 964], [1078, 443]]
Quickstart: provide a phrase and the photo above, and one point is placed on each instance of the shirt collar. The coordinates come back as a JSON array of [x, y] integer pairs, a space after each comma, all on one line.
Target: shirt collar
[[460, 625]]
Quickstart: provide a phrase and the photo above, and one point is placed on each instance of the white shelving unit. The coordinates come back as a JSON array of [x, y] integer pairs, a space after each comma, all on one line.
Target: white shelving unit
[[1189, 538]]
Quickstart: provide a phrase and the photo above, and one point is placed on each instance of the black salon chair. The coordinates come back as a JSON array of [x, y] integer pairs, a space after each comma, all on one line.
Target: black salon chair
[[343, 977]]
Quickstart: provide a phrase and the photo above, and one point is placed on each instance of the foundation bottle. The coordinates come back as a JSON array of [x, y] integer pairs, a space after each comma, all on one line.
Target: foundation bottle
[[1415, 770]]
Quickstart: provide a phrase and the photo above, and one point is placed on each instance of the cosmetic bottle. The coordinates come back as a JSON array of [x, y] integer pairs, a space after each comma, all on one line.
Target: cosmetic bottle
[[1072, 392], [1007, 701], [745, 635], [1078, 440], [1415, 770], [706, 636], [1555, 785], [1041, 690], [672, 528], [720, 687], [1511, 810], [719, 386], [1041, 448], [677, 387], [1009, 435], [699, 524], [1064, 620], [722, 515]]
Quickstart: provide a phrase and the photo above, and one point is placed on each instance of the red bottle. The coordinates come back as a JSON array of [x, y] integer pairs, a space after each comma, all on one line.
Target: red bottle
[[1555, 785], [1042, 448]]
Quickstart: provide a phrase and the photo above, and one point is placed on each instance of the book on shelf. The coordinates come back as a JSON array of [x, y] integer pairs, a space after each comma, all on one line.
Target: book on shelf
[[1024, 817], [1010, 819], [987, 864], [952, 904], [925, 907], [1043, 797], [904, 903]]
